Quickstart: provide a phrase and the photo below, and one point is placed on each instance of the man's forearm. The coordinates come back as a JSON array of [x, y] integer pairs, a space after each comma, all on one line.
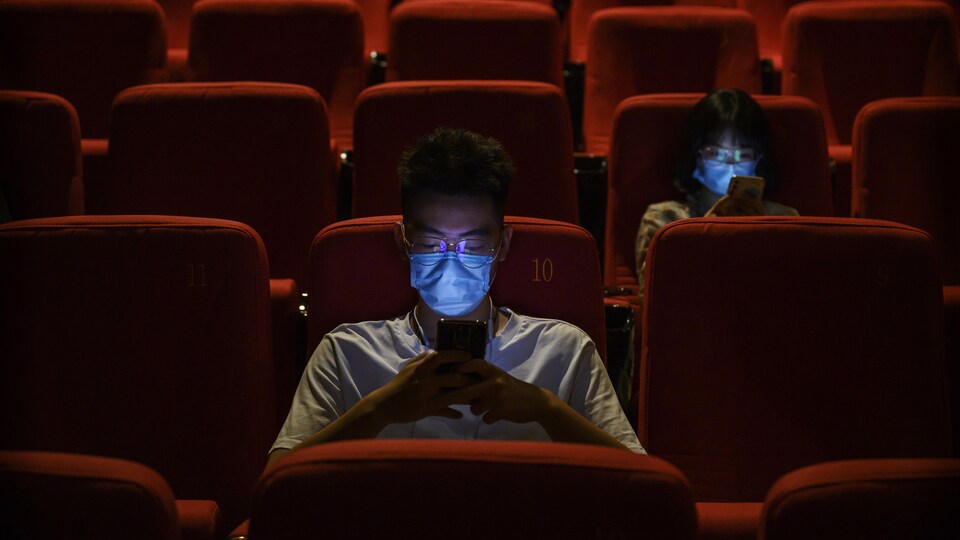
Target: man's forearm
[[563, 424], [362, 421]]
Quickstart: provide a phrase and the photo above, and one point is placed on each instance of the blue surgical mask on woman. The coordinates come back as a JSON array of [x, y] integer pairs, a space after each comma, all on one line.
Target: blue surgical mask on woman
[[716, 175], [450, 287]]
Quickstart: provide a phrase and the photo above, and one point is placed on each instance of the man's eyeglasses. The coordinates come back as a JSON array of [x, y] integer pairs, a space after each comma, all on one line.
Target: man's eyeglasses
[[472, 252], [728, 155]]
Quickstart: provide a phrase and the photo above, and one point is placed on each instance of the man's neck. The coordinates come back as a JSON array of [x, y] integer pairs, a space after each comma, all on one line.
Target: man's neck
[[428, 318]]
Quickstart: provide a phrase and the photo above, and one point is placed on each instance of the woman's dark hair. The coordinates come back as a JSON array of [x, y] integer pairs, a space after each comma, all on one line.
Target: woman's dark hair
[[726, 109], [455, 162]]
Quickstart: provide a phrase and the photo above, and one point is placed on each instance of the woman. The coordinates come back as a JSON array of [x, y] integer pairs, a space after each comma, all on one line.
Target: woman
[[726, 135]]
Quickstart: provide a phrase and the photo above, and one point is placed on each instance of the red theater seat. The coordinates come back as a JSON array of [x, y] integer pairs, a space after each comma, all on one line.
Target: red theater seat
[[83, 50], [643, 155], [257, 153], [316, 43], [458, 39], [427, 489], [40, 169], [891, 499], [904, 171], [530, 119], [771, 344], [177, 14], [843, 55], [552, 271], [639, 50], [51, 496], [581, 12], [144, 338]]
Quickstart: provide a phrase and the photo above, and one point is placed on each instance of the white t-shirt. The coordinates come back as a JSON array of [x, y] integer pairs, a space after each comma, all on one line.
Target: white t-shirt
[[356, 359]]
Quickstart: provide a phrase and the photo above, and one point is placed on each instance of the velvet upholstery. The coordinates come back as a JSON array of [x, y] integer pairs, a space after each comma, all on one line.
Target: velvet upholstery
[[48, 496], [460, 39], [428, 489], [316, 43], [40, 167], [531, 120], [144, 338], [251, 152], [552, 270], [890, 499], [775, 343], [643, 155], [82, 50], [641, 50], [828, 46], [177, 15], [905, 171]]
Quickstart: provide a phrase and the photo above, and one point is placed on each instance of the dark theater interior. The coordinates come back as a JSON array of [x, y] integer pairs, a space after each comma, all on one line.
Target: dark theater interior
[[255, 283]]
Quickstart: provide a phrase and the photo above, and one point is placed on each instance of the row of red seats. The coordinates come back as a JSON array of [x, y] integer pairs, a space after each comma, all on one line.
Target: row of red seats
[[428, 490], [256, 152], [104, 46], [769, 344]]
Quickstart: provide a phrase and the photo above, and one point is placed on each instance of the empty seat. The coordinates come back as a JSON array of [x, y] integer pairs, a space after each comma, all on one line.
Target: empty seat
[[892, 499], [423, 489], [82, 50], [40, 169], [582, 11], [830, 55], [552, 271], [904, 171], [640, 50], [458, 39], [643, 156], [316, 43], [531, 120], [252, 152], [789, 334], [49, 496], [144, 338]]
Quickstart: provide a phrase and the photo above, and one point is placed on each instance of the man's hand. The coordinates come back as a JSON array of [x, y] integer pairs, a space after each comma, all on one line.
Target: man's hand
[[418, 390], [499, 395], [729, 206]]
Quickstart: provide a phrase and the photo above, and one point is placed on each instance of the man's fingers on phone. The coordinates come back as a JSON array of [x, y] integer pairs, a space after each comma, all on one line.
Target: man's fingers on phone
[[463, 395], [478, 366], [454, 380]]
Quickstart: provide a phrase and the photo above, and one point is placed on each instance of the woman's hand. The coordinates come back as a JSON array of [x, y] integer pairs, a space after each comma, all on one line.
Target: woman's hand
[[729, 206]]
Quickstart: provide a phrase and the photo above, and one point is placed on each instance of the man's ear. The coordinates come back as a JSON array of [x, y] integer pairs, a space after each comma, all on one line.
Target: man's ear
[[398, 238], [505, 238]]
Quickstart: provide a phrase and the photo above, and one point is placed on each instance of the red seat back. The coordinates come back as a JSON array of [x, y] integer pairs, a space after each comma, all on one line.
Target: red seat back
[[49, 496], [40, 170], [177, 14], [831, 52], [357, 274], [316, 43], [643, 155], [426, 486], [457, 39], [257, 153], [775, 343], [531, 120], [640, 50], [140, 337], [894, 499], [904, 170], [83, 50]]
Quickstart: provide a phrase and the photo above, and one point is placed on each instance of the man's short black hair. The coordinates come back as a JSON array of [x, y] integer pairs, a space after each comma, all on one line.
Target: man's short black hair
[[455, 162]]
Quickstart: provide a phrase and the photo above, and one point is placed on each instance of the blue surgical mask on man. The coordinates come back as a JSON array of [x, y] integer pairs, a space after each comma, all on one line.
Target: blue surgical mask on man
[[716, 175], [450, 287]]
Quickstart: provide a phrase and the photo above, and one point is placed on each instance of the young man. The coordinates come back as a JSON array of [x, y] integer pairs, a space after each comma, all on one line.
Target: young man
[[542, 379]]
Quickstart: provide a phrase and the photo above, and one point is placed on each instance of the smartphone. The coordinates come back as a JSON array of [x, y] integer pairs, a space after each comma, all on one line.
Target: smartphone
[[470, 336], [746, 187]]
